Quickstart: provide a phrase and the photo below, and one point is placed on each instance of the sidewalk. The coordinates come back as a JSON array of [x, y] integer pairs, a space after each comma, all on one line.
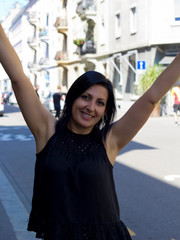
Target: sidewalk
[[12, 119], [6, 233], [14, 215]]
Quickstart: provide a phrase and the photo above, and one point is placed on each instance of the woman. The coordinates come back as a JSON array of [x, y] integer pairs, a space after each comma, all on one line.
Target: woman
[[74, 195]]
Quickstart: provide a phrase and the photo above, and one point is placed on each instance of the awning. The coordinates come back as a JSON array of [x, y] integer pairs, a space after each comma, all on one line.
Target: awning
[[166, 60]]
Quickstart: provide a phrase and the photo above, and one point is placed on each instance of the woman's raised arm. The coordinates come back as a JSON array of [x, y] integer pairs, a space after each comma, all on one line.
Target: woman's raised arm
[[126, 127], [38, 118]]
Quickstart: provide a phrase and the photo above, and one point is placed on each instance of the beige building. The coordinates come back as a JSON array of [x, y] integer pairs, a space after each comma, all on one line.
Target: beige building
[[60, 39]]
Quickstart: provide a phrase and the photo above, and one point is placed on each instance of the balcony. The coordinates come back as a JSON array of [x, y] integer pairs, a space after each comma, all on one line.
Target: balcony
[[61, 56], [33, 18], [86, 9], [87, 48], [43, 34], [33, 66], [44, 61], [33, 42], [61, 25]]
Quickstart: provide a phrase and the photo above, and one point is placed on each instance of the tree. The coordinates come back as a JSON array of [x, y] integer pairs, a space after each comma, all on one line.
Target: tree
[[150, 75]]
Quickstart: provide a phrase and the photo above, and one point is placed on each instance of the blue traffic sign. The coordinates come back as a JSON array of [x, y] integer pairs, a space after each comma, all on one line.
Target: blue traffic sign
[[141, 65]]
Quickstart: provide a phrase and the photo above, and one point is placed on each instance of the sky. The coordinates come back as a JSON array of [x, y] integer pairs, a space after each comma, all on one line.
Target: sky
[[6, 5]]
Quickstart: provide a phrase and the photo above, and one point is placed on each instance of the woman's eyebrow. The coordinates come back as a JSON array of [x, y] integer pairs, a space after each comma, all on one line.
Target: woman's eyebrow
[[90, 95], [102, 99]]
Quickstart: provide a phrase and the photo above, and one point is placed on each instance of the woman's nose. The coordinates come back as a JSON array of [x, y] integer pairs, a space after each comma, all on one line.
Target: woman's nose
[[91, 106]]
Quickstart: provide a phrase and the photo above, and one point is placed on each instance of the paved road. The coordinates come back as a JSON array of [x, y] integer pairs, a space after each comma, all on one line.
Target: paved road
[[146, 173], [150, 168]]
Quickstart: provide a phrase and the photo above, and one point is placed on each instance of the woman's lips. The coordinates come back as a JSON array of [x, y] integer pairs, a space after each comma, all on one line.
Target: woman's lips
[[87, 116]]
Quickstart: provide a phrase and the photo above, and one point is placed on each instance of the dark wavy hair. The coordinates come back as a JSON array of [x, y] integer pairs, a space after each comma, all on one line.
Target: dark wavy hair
[[81, 85]]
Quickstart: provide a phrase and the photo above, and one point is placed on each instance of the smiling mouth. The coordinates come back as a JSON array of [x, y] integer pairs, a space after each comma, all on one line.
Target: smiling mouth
[[87, 116]]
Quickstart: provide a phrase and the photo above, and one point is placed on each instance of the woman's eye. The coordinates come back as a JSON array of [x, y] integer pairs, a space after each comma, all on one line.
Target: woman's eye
[[85, 97], [101, 103]]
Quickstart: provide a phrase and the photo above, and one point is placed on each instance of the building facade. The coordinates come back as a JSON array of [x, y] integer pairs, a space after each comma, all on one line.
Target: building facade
[[60, 39]]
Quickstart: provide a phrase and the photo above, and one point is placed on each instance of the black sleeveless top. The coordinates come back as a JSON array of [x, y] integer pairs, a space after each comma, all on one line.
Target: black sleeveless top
[[74, 195]]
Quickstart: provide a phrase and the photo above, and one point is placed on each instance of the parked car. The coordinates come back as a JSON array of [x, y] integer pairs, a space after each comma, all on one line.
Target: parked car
[[12, 99], [6, 96], [1, 105]]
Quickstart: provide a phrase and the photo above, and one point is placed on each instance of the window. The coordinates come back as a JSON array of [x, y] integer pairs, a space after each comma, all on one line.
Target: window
[[89, 3], [47, 50], [47, 20], [102, 31], [133, 20], [64, 4], [102, 24], [117, 25], [176, 10]]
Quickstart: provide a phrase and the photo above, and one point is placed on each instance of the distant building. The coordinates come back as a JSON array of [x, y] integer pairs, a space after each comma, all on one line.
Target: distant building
[[60, 39]]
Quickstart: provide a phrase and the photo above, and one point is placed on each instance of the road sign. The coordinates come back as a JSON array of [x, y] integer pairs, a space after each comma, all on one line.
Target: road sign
[[141, 65]]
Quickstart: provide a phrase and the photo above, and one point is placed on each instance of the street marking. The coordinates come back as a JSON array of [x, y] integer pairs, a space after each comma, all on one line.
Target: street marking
[[22, 137], [7, 128], [131, 232], [5, 137], [15, 210], [171, 178], [19, 137], [3, 128]]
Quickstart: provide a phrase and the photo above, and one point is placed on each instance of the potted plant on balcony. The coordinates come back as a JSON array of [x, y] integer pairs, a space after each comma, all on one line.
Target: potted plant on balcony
[[79, 42], [147, 79]]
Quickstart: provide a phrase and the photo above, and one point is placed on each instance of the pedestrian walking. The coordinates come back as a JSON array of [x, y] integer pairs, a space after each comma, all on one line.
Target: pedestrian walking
[[62, 101], [175, 92], [74, 194], [56, 101]]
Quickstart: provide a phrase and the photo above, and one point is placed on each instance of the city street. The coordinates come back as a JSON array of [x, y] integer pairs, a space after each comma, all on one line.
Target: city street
[[147, 177]]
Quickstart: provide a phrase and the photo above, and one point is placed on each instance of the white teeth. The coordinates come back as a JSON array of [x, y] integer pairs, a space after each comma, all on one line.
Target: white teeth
[[86, 115]]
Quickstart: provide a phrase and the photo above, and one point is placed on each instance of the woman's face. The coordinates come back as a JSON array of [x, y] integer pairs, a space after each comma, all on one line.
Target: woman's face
[[88, 109]]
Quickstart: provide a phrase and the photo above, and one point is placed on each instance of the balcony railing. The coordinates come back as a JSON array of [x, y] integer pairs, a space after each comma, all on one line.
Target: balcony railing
[[61, 24], [33, 66], [33, 17], [44, 61], [33, 42], [88, 47], [43, 34], [61, 56]]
